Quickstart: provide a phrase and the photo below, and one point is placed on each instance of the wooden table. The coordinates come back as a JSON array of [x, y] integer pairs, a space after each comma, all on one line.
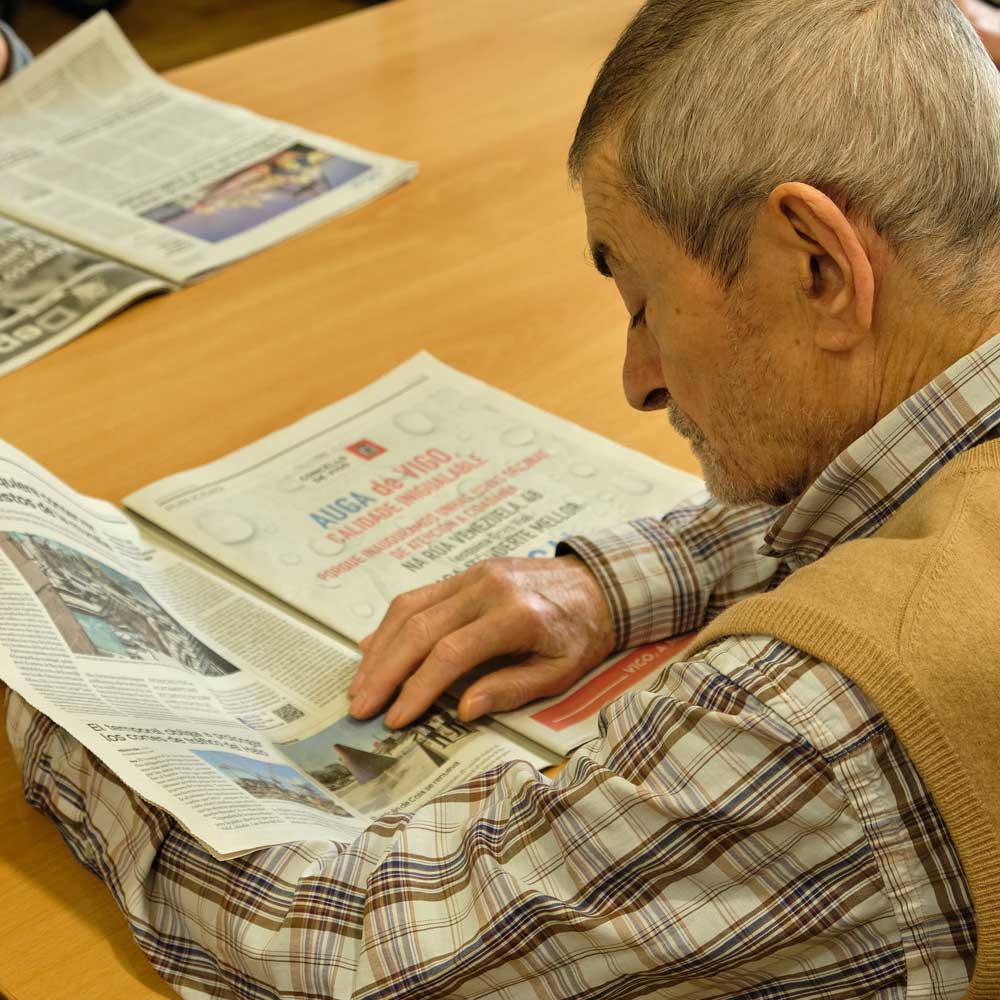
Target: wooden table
[[480, 260]]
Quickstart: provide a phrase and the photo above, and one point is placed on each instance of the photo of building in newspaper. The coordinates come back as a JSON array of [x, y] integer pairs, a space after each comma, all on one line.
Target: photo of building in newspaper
[[101, 612], [264, 779], [256, 193], [369, 766]]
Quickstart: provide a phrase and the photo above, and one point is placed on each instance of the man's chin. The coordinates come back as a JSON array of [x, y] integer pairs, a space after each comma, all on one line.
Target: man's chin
[[739, 491], [726, 484]]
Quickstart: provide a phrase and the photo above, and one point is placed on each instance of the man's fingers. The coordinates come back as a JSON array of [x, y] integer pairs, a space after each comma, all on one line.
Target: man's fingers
[[455, 654], [510, 688], [381, 673], [402, 608]]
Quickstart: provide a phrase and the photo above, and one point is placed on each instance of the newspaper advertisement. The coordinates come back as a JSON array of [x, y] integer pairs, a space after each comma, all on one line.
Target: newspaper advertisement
[[101, 151], [207, 701], [567, 721], [413, 479], [51, 292]]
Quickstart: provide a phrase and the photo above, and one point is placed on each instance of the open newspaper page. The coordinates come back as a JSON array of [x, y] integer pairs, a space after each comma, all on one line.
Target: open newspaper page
[[51, 292], [216, 706], [408, 481], [100, 150]]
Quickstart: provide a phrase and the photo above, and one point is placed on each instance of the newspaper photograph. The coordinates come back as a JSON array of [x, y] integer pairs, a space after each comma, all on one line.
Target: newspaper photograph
[[51, 292], [101, 151], [205, 700], [413, 479]]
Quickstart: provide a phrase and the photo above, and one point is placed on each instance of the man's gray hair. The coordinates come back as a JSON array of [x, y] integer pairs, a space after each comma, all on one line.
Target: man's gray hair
[[890, 107]]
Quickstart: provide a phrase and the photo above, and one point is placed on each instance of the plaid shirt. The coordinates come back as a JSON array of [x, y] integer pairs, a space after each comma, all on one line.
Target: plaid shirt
[[748, 828]]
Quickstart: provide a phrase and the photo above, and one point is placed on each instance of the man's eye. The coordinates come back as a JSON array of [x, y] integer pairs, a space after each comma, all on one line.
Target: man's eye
[[638, 318]]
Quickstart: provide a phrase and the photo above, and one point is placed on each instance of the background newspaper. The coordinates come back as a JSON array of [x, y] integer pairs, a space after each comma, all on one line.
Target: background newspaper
[[408, 481], [101, 151], [51, 292], [220, 708]]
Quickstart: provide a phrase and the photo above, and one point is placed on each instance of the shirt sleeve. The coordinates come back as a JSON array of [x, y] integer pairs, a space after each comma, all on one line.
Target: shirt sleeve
[[700, 848], [20, 54], [673, 575]]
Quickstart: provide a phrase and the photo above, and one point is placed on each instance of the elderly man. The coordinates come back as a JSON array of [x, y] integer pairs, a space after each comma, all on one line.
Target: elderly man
[[799, 201]]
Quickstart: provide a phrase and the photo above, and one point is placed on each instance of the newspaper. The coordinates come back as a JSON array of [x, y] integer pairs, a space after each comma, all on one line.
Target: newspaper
[[413, 479], [224, 710], [101, 151], [51, 292]]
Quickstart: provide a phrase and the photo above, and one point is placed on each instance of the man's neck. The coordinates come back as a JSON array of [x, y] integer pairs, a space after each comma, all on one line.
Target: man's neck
[[920, 337]]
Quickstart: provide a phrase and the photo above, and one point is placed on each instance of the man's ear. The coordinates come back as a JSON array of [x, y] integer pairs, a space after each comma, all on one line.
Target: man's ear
[[833, 262]]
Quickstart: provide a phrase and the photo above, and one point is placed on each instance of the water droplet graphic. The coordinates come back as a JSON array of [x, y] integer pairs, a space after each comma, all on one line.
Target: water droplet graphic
[[225, 526], [632, 485], [414, 422], [290, 558], [331, 584], [362, 610], [519, 436], [326, 546], [583, 469]]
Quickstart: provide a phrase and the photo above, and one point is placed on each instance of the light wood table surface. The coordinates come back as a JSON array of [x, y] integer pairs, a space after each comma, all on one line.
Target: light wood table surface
[[480, 260]]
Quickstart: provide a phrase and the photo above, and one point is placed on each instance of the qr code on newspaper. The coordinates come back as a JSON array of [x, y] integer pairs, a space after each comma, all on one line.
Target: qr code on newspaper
[[289, 713]]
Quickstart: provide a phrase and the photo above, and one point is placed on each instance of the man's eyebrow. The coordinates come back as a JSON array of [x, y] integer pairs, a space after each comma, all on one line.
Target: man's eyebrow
[[599, 254]]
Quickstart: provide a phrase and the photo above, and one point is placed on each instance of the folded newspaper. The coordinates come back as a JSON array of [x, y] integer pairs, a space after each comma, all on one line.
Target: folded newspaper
[[116, 184], [202, 650]]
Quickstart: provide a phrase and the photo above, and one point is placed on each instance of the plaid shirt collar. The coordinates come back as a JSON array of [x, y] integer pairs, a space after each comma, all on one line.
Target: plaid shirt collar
[[878, 473]]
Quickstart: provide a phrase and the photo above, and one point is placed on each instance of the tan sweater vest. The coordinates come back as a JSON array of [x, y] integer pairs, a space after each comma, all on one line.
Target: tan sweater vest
[[912, 615]]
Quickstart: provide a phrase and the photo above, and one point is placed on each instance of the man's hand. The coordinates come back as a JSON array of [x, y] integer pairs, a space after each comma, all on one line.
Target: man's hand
[[985, 19], [549, 613]]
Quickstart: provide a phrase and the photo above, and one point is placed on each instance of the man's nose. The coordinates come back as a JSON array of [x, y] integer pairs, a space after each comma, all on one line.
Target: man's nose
[[641, 373]]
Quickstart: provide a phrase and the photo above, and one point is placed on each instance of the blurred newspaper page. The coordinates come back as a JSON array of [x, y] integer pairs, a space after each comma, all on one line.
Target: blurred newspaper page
[[408, 481], [51, 292], [221, 709], [101, 151]]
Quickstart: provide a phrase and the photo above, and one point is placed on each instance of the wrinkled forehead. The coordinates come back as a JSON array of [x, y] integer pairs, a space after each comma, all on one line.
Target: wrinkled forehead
[[601, 182], [618, 231]]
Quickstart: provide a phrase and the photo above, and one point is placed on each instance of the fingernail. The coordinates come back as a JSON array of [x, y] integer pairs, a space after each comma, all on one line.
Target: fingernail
[[393, 716], [361, 705], [355, 686], [477, 705]]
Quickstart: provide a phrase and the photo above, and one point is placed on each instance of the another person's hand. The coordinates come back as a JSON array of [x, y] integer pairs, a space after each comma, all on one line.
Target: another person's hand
[[4, 55], [548, 613], [985, 19]]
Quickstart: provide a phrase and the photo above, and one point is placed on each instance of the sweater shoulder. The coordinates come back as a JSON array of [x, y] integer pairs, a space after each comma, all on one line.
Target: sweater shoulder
[[872, 584], [877, 588]]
